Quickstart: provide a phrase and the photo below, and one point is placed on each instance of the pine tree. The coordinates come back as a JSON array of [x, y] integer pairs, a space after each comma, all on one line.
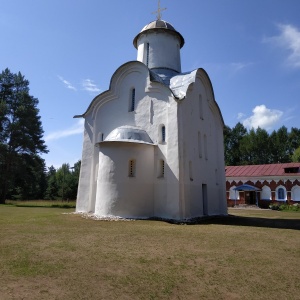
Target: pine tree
[[21, 129]]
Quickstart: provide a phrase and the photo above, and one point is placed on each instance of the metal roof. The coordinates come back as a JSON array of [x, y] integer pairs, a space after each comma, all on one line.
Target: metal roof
[[159, 25], [129, 134], [263, 170], [246, 187], [180, 83]]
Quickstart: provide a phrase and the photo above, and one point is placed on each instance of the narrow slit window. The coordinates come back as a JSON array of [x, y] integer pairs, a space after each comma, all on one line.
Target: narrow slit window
[[147, 54], [205, 147], [199, 144], [100, 137], [191, 171], [200, 107], [161, 168], [131, 168], [163, 133], [132, 100]]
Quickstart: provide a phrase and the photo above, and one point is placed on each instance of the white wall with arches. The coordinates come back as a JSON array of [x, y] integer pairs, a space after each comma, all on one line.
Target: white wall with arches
[[266, 193], [234, 195], [295, 193]]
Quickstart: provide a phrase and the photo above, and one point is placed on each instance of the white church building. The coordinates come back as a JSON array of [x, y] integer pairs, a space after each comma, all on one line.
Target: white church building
[[153, 142]]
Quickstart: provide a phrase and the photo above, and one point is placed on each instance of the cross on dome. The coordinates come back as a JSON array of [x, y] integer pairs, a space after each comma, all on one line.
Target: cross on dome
[[158, 11]]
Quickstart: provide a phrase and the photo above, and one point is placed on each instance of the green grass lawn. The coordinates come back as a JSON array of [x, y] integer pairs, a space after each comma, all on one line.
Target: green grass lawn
[[48, 254]]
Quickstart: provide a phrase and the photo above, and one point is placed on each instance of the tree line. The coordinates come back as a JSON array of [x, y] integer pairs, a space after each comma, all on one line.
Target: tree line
[[63, 182], [23, 173], [257, 146]]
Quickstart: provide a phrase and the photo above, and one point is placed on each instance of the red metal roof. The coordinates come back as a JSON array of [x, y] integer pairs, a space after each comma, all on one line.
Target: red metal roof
[[262, 170]]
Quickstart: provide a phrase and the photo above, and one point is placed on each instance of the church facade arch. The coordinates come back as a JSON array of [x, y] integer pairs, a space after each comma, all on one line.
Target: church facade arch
[[234, 195], [266, 193], [295, 193]]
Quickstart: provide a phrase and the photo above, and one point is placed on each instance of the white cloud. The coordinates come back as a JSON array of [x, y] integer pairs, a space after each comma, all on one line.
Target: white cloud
[[90, 86], [263, 117], [289, 39], [66, 83], [73, 130]]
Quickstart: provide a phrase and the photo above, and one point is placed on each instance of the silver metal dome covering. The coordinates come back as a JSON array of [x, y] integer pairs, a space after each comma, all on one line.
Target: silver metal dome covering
[[129, 134], [159, 25]]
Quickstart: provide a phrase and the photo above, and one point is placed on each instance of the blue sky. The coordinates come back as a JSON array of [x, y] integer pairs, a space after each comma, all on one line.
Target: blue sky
[[69, 49]]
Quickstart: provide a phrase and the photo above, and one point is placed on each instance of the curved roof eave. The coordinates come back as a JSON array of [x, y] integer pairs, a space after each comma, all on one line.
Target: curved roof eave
[[190, 78], [127, 141], [213, 93], [152, 78]]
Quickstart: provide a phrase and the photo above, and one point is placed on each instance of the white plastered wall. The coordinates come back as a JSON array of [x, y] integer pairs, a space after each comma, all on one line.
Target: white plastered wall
[[154, 106], [118, 193], [207, 168], [84, 194], [175, 195], [164, 50]]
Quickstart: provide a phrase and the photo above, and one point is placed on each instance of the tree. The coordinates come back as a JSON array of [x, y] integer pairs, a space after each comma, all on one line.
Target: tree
[[296, 155], [243, 147], [255, 147], [21, 130], [30, 178], [232, 144], [67, 180], [294, 139], [63, 175], [280, 146], [52, 188]]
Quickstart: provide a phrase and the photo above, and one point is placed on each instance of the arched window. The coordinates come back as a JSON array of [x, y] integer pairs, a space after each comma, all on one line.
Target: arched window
[[265, 193], [132, 100], [296, 193], [281, 193], [131, 168]]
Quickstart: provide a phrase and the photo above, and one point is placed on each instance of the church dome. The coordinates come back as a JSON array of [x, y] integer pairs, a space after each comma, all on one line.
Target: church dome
[[159, 25]]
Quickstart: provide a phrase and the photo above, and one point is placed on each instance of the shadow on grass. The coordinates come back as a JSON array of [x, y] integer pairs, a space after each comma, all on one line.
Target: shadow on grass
[[243, 221], [41, 205]]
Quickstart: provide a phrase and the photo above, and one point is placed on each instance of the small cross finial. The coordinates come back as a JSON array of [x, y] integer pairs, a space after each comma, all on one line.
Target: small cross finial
[[159, 10]]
